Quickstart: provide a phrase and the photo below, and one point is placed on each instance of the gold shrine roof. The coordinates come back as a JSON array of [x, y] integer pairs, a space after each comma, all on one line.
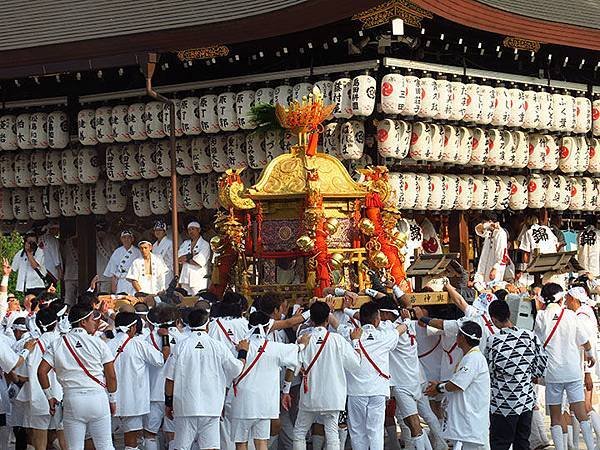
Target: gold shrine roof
[[287, 176]]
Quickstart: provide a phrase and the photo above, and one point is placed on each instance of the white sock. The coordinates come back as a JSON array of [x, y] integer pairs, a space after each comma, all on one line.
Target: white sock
[[539, 424], [131, 448], [427, 441], [595, 418], [588, 435], [172, 444], [406, 436], [150, 443], [318, 442], [343, 433], [570, 437], [576, 430], [557, 437], [419, 442], [392, 440], [566, 440]]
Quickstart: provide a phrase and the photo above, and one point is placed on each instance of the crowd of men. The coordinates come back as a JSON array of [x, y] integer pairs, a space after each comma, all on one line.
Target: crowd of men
[[226, 374]]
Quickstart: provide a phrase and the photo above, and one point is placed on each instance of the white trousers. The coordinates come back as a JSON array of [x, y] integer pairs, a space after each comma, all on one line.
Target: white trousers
[[366, 419], [304, 421], [202, 429], [87, 410], [458, 445]]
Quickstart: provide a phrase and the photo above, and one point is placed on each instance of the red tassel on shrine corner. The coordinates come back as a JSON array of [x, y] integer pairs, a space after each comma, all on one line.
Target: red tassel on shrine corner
[[312, 144]]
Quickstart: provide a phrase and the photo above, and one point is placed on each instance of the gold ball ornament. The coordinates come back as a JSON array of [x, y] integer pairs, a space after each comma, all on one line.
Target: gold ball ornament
[[331, 225], [305, 243], [366, 226], [216, 243], [337, 261], [379, 260]]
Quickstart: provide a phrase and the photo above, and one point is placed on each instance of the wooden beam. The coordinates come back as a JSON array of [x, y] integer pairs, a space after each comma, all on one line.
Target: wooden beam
[[458, 229], [85, 230]]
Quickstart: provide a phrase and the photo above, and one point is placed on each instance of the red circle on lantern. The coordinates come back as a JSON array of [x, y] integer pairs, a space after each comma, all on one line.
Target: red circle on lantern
[[573, 191], [468, 99], [547, 150], [475, 142], [531, 147], [382, 135], [513, 189], [526, 106], [387, 89], [596, 113], [413, 138], [532, 186], [564, 151], [592, 152]]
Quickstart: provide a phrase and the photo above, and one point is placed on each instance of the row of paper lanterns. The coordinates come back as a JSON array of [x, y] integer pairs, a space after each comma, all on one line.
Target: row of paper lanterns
[[494, 147], [487, 105], [212, 113], [34, 130], [436, 192]]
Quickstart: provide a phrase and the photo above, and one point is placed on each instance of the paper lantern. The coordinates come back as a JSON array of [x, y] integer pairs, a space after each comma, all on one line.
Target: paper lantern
[[131, 162], [226, 112], [115, 170], [137, 121], [444, 89], [140, 199], [183, 154], [504, 184], [301, 90], [7, 170], [577, 198], [480, 147], [38, 132], [465, 145], [519, 195], [387, 138], [436, 194], [236, 151], [167, 119], [341, 98], [583, 153], [412, 103], [352, 140], [190, 115], [163, 158], [331, 139], [363, 95], [516, 116], [159, 196], [451, 144], [201, 155], [537, 188], [594, 152], [555, 188], [264, 96], [284, 94], [192, 192], [570, 113], [255, 151], [568, 155], [395, 195], [116, 196], [546, 118], [70, 171], [583, 115], [37, 165], [6, 210], [24, 131], [120, 123], [274, 141], [537, 151], [466, 186], [459, 100], [86, 126], [429, 98], [8, 132], [98, 203], [51, 201], [218, 153], [480, 194], [19, 204], [473, 105], [559, 113], [531, 118], [502, 108], [155, 127], [58, 130], [552, 153], [23, 169], [81, 196], [487, 103], [210, 191], [244, 102], [104, 125], [590, 194], [507, 155], [595, 119], [420, 144], [495, 147], [408, 191], [326, 89], [147, 159], [423, 183], [520, 149], [393, 93], [450, 192], [209, 117], [88, 165], [437, 142], [53, 167], [67, 200], [493, 192]]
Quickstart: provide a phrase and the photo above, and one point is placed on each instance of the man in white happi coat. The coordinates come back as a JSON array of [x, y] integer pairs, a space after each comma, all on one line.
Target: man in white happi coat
[[493, 257], [163, 247], [119, 264], [30, 266], [324, 364], [84, 367], [194, 257], [133, 357], [197, 406], [51, 246], [588, 250], [148, 274]]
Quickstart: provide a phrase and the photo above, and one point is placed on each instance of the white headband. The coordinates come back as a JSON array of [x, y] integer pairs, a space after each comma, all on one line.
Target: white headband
[[263, 329], [84, 317], [144, 242], [472, 336], [48, 325], [19, 327], [125, 328], [393, 311], [193, 225]]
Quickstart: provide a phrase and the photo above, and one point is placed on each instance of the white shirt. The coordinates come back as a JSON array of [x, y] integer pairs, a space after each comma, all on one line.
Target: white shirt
[[158, 374], [481, 318], [468, 411], [430, 352], [563, 347], [588, 253], [377, 343], [39, 403], [27, 277], [119, 265], [326, 381], [404, 359], [587, 320], [257, 394], [164, 249], [493, 255], [539, 237], [53, 259], [8, 358], [92, 352], [153, 283], [201, 356], [132, 361], [229, 331], [194, 277]]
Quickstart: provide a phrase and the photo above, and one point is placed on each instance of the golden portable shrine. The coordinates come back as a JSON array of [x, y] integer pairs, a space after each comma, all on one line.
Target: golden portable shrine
[[306, 224]]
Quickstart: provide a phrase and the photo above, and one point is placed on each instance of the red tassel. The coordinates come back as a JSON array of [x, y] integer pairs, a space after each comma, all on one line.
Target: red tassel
[[312, 144]]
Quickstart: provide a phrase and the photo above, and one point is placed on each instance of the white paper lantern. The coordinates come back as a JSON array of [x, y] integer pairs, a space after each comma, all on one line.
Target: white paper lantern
[[37, 165], [537, 151], [519, 194], [387, 138], [480, 193], [473, 105], [98, 204], [264, 96], [158, 195], [437, 142], [53, 167], [140, 199], [408, 191], [423, 183], [495, 147], [393, 93], [58, 130], [7, 170], [301, 90], [531, 117], [571, 113], [51, 201], [395, 195], [459, 100], [420, 144], [363, 95], [255, 151], [444, 89], [120, 123], [590, 194], [553, 195], [88, 165], [137, 121], [19, 204], [595, 119], [341, 96], [436, 194], [244, 102], [507, 155], [516, 116], [190, 113], [583, 153], [236, 151], [493, 192], [594, 152], [153, 116], [226, 112], [552, 153], [81, 196], [192, 192], [183, 154], [163, 158], [116, 196], [67, 200], [23, 169], [147, 159], [559, 113], [218, 153], [284, 94], [520, 149], [131, 162], [504, 190], [568, 155], [352, 142], [450, 194], [167, 119], [201, 154], [546, 118], [502, 109], [210, 191], [8, 132], [24, 131], [480, 147], [465, 146], [464, 199], [274, 141], [104, 125], [487, 103], [38, 132], [412, 103], [6, 210], [115, 170], [577, 198], [451, 144], [86, 125], [429, 98], [331, 139], [583, 117], [209, 117], [70, 172], [326, 88], [537, 188]]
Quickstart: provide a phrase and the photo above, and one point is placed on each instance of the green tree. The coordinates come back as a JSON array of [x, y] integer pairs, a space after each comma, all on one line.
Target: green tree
[[10, 244]]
